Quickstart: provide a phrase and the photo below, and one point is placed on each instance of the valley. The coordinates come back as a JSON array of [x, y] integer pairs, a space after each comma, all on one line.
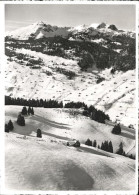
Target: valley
[[53, 69]]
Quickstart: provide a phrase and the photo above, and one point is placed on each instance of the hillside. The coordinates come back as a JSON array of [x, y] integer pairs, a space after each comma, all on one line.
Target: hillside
[[61, 79], [103, 45], [48, 164], [93, 65]]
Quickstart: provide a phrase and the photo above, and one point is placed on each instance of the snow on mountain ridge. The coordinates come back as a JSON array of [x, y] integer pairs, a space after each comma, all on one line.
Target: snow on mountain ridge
[[94, 25], [48, 30], [33, 30], [40, 35]]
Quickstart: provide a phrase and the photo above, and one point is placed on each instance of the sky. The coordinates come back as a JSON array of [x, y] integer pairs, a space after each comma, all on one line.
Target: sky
[[20, 15]]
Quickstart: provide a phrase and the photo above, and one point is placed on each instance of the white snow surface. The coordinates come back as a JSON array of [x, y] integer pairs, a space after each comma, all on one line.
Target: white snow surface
[[101, 40], [115, 95], [48, 164], [94, 25], [38, 29], [41, 29]]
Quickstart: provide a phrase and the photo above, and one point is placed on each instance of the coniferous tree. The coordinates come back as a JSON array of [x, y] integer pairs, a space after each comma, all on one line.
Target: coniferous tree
[[6, 128], [110, 147], [32, 111], [95, 143], [120, 150], [107, 146], [20, 120], [10, 125], [29, 110], [24, 110], [39, 133], [102, 146], [88, 142], [116, 129]]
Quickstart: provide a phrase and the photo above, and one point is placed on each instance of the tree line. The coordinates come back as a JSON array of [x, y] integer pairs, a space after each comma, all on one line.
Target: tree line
[[33, 103], [108, 147], [90, 111]]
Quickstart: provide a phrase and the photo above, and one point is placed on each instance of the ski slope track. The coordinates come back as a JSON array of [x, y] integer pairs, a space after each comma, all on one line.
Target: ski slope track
[[47, 163]]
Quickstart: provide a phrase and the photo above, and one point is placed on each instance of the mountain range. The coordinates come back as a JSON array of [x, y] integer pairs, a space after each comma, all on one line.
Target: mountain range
[[40, 29], [94, 64]]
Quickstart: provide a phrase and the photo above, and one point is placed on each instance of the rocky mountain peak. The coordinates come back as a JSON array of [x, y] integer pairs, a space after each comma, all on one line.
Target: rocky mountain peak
[[102, 25], [113, 27], [39, 23]]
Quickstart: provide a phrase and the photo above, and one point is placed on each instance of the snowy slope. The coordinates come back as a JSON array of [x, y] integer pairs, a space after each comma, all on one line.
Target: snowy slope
[[73, 124], [115, 95], [48, 164], [38, 30], [41, 29], [97, 29]]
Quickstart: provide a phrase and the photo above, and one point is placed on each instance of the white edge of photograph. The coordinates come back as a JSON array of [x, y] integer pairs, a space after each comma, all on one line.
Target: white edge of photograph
[[62, 74]]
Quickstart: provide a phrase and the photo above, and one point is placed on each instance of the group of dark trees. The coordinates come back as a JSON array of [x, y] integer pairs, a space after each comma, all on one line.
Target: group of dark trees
[[21, 122], [28, 111], [90, 111], [116, 129], [70, 74], [75, 105], [21, 58], [25, 111], [107, 146], [9, 126], [121, 151], [33, 103], [101, 56], [95, 114], [99, 80], [90, 143], [87, 61]]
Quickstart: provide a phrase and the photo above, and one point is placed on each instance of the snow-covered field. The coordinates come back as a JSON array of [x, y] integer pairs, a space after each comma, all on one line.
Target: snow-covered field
[[48, 164], [115, 95]]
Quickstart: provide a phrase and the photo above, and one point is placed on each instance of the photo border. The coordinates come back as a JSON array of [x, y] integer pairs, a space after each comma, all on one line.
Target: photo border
[[2, 104]]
